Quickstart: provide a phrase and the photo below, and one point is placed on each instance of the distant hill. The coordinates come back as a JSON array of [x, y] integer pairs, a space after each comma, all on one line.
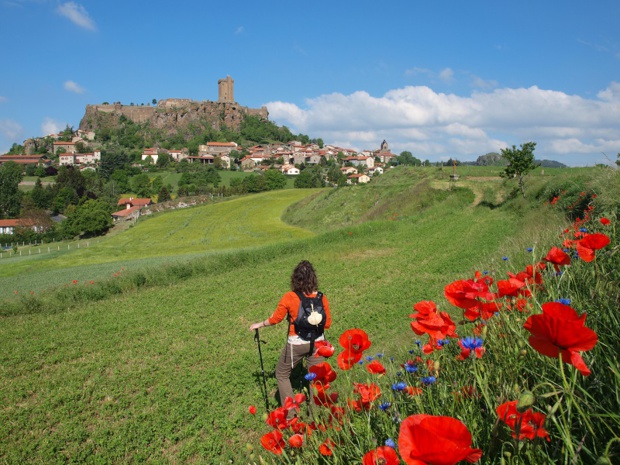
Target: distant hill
[[495, 159]]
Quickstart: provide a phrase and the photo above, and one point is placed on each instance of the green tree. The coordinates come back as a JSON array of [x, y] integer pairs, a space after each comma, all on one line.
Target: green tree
[[164, 194], [10, 195], [157, 184], [141, 185], [311, 177], [274, 179], [520, 163], [163, 160], [72, 178], [407, 158], [40, 196], [92, 218]]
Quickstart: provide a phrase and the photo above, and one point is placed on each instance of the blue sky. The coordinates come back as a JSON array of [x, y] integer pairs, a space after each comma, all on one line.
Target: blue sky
[[439, 78]]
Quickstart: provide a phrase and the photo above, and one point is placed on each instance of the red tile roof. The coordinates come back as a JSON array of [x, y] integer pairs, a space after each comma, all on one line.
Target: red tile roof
[[134, 202], [126, 212]]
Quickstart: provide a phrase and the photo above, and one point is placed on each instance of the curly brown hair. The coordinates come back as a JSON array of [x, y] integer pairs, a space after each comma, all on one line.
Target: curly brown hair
[[304, 278]]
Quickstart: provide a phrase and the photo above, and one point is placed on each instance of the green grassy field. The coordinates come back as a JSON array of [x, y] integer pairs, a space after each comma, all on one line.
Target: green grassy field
[[235, 224], [164, 372]]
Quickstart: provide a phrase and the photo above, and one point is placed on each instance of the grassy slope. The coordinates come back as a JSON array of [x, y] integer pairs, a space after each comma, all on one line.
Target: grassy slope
[[238, 223], [167, 373]]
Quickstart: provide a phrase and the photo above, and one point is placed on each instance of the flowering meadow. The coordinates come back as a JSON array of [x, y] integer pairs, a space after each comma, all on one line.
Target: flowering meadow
[[518, 364]]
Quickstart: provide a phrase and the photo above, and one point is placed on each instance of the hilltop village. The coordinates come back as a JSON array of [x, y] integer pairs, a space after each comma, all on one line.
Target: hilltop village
[[77, 183]]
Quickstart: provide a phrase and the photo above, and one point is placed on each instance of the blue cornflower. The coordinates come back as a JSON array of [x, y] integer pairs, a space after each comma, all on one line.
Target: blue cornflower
[[505, 258], [361, 362], [440, 343], [563, 301], [380, 355], [530, 249], [428, 379], [559, 273], [370, 358], [390, 443], [485, 272], [418, 342], [391, 359], [411, 368], [399, 373], [583, 230], [576, 254], [385, 405], [310, 376], [411, 351], [566, 249], [400, 386], [471, 343]]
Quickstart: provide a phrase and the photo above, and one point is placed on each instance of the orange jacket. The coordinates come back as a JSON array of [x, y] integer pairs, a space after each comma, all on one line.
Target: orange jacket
[[289, 304]]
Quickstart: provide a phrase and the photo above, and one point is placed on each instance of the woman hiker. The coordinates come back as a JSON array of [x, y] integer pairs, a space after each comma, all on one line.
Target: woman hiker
[[303, 331]]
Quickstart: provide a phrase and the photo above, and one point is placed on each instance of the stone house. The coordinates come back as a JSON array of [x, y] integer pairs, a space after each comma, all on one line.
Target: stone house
[[358, 179]]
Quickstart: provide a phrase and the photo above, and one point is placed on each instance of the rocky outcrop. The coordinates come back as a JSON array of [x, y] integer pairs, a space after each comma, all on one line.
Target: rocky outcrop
[[171, 115]]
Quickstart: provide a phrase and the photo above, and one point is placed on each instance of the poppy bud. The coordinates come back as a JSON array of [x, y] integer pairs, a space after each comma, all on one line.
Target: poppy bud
[[484, 332], [249, 447], [525, 401], [523, 353], [604, 460], [436, 366]]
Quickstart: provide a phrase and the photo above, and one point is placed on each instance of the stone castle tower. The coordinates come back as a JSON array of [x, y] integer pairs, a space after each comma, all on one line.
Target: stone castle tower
[[226, 90]]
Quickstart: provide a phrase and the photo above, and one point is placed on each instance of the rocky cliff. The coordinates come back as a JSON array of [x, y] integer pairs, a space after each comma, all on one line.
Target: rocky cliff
[[171, 115]]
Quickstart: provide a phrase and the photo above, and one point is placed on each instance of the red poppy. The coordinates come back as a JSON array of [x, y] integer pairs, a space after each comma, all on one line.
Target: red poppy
[[355, 340], [322, 397], [277, 418], [252, 409], [327, 447], [557, 257], [347, 359], [367, 392], [560, 331], [510, 287], [428, 321], [382, 455], [526, 425], [413, 391], [483, 310], [590, 243], [296, 441], [426, 439], [273, 442], [323, 349], [324, 373], [375, 368], [294, 402], [464, 293], [605, 221]]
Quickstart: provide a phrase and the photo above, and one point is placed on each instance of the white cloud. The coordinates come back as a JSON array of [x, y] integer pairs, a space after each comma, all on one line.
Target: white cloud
[[446, 75], [77, 14], [11, 129], [431, 124], [51, 126], [483, 84], [73, 86]]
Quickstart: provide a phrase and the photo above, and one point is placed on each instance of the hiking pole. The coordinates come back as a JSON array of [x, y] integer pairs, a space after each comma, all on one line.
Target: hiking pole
[[262, 367]]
